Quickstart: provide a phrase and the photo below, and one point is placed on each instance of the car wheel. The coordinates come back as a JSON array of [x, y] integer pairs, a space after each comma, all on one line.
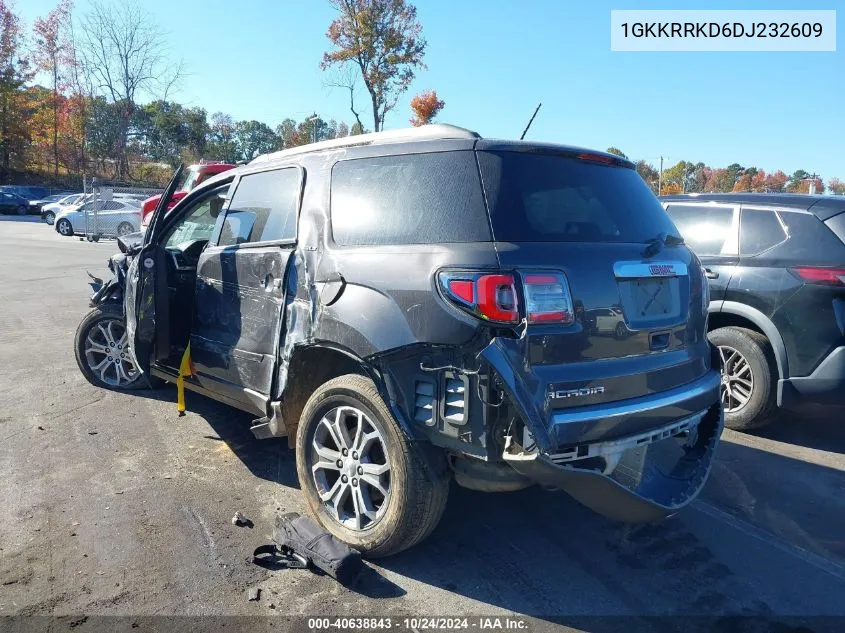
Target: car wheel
[[50, 217], [364, 481], [22, 210], [621, 331], [749, 376], [102, 350], [124, 228], [64, 227]]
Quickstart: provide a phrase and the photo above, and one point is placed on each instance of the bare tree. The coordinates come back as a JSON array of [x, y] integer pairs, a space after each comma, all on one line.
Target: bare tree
[[125, 54], [346, 77]]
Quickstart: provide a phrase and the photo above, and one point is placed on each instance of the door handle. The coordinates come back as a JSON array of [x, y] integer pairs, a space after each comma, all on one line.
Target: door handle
[[710, 274]]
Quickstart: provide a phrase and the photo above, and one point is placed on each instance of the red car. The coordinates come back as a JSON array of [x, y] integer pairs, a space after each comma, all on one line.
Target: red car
[[195, 174]]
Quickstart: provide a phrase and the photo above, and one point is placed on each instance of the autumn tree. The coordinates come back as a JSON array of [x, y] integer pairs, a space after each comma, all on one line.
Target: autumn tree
[[50, 43], [775, 183], [125, 53], [14, 73], [648, 173], [836, 186], [426, 107], [616, 151], [383, 40]]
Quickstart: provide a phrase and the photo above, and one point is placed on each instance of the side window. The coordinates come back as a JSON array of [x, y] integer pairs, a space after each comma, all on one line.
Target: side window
[[199, 221], [113, 205], [706, 229], [263, 208], [758, 231], [428, 198]]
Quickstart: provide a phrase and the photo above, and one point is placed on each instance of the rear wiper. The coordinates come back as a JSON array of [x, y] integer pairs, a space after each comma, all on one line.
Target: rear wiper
[[656, 244]]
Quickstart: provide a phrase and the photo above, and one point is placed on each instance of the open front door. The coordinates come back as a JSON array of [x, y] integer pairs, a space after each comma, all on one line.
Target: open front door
[[146, 299]]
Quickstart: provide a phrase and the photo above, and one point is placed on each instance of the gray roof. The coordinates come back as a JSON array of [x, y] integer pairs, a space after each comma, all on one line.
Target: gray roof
[[823, 207]]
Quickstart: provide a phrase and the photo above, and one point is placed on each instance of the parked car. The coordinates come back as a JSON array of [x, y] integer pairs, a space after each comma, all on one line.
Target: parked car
[[114, 217], [35, 206], [26, 192], [776, 265], [48, 211], [428, 322], [194, 176], [13, 203]]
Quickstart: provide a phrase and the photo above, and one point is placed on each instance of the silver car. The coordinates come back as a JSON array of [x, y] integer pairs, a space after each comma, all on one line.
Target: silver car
[[112, 218]]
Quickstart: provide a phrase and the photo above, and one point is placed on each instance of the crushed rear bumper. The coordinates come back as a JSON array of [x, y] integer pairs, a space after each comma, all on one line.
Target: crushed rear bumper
[[634, 460], [645, 477]]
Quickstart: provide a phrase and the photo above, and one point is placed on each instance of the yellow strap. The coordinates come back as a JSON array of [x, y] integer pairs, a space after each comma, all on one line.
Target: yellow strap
[[184, 370]]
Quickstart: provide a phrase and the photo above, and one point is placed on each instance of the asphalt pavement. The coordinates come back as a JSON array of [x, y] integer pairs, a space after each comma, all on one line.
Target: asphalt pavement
[[113, 505]]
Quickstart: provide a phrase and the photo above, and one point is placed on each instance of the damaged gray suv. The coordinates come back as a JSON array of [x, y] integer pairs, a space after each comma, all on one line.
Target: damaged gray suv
[[415, 306]]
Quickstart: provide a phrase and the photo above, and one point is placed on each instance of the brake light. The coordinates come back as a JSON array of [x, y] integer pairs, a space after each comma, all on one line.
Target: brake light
[[597, 158], [822, 276], [497, 298], [493, 297], [547, 299], [463, 289]]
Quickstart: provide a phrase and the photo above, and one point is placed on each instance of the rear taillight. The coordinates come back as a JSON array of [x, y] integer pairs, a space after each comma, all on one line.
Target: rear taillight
[[822, 276], [547, 298], [494, 297]]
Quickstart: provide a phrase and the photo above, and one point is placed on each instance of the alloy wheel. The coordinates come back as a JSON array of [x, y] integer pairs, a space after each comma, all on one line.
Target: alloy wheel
[[107, 353], [737, 379], [50, 217], [350, 467], [64, 227]]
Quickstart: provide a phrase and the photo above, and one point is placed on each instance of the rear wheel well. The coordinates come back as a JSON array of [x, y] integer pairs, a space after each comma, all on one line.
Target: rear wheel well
[[309, 368], [724, 319]]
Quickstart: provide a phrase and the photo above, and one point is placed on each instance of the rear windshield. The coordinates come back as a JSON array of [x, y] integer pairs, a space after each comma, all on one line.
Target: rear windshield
[[553, 198]]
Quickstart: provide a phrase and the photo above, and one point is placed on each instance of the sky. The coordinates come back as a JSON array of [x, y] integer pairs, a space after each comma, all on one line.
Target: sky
[[492, 61]]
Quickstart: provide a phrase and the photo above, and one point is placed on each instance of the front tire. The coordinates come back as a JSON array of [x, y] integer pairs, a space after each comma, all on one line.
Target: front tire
[[102, 350], [64, 227], [749, 376], [363, 480], [22, 210], [124, 228]]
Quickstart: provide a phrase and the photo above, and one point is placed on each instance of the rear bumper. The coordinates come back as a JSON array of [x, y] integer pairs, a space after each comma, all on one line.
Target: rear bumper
[[826, 385], [634, 415], [640, 483]]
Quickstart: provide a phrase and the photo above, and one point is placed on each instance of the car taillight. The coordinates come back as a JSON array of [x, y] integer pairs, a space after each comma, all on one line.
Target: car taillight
[[547, 298], [493, 297], [497, 298], [823, 276]]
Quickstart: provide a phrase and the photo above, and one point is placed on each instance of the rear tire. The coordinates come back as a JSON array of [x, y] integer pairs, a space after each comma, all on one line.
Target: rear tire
[[22, 210], [50, 218], [124, 228], [739, 346], [416, 482]]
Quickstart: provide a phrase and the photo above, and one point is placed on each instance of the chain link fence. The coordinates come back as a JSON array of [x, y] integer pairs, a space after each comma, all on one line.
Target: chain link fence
[[113, 210]]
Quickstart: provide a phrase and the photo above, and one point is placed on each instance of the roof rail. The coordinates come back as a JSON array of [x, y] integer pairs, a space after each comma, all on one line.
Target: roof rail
[[424, 132]]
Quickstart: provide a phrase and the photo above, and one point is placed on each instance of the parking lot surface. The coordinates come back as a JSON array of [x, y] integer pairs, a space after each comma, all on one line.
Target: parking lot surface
[[115, 505]]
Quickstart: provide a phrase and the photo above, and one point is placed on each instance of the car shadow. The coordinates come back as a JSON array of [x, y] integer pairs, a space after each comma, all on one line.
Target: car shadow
[[269, 459], [20, 218], [812, 426], [541, 554]]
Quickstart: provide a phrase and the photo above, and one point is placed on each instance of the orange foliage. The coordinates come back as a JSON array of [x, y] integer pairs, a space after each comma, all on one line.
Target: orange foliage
[[426, 106]]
